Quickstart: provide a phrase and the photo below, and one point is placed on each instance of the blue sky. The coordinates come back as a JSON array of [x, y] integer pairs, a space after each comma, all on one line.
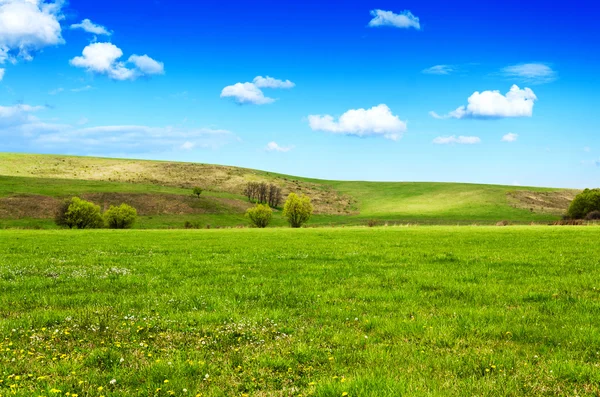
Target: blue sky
[[371, 90]]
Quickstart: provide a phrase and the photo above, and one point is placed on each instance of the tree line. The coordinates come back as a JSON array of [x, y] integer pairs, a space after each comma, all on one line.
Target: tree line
[[263, 193]]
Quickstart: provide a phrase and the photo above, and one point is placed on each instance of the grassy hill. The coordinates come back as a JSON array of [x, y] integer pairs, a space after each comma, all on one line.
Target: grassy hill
[[31, 186]]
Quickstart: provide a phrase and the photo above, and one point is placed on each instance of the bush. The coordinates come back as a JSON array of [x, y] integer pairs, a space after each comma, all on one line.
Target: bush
[[297, 210], [197, 191], [191, 225], [260, 216], [593, 216], [121, 217], [584, 203], [79, 214], [373, 222]]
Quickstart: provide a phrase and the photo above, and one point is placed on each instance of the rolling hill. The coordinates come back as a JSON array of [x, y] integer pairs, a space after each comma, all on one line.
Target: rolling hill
[[31, 187]]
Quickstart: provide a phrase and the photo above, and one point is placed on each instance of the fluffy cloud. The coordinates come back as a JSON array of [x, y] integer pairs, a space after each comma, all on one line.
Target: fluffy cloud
[[274, 147], [91, 27], [461, 140], [251, 93], [532, 73], [510, 137], [387, 18], [492, 104], [103, 58], [439, 69], [27, 26], [377, 121]]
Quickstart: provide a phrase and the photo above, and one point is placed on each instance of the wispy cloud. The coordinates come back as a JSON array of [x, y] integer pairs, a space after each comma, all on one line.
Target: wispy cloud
[[460, 140], [275, 147], [510, 137], [439, 70], [91, 27], [530, 73]]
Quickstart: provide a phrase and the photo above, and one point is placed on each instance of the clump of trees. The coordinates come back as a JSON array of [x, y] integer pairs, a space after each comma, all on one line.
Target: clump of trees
[[76, 213], [297, 210], [121, 217], [263, 193], [197, 191], [260, 216], [584, 203]]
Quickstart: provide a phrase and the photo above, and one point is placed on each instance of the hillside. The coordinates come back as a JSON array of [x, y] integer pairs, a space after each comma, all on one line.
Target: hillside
[[31, 186]]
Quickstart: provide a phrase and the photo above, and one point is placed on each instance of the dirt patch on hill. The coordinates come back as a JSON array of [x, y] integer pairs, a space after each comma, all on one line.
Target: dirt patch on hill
[[550, 202], [32, 206]]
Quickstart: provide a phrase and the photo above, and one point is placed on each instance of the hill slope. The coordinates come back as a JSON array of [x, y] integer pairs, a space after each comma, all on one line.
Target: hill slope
[[31, 186]]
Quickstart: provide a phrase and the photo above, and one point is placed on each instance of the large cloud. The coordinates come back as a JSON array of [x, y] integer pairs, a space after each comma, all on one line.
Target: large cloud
[[27, 26], [492, 104], [377, 121], [91, 27], [387, 18], [251, 93], [103, 58]]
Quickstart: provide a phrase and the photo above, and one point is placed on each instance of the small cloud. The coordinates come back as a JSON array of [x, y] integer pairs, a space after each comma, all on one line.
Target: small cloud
[[404, 20], [274, 147], [91, 27], [147, 65], [270, 82], [531, 73], [492, 104], [188, 145], [461, 140], [251, 93], [439, 70], [2, 72], [56, 91], [377, 121], [82, 89], [510, 137]]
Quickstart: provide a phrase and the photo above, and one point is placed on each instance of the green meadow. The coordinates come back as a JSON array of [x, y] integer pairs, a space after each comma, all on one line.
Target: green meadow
[[386, 311]]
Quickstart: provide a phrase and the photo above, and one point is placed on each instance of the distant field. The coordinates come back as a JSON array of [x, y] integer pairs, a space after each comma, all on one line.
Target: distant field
[[31, 186], [439, 311]]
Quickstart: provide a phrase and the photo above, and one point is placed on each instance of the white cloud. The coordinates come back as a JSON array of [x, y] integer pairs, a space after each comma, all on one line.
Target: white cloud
[[510, 137], [147, 65], [461, 140], [82, 89], [270, 82], [587, 149], [246, 93], [532, 73], [17, 114], [387, 18], [274, 147], [439, 69], [103, 58], [2, 72], [251, 93], [91, 27], [56, 91], [187, 145], [377, 121], [492, 104], [27, 26]]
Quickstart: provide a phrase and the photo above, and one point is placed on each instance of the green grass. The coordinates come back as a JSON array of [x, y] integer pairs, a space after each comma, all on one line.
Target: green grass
[[439, 311]]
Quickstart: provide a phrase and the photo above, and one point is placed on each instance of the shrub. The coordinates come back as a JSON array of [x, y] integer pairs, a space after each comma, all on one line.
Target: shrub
[[197, 191], [121, 217], [584, 203], [297, 210], [191, 225], [260, 216], [373, 222], [79, 214], [593, 216]]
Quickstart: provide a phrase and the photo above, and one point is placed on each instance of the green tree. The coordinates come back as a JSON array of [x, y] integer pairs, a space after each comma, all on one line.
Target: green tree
[[81, 214], [297, 210], [60, 218], [260, 216], [197, 191], [584, 203], [121, 217]]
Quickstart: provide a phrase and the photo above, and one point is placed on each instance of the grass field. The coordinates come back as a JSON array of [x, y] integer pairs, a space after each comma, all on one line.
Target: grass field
[[31, 186], [439, 311]]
